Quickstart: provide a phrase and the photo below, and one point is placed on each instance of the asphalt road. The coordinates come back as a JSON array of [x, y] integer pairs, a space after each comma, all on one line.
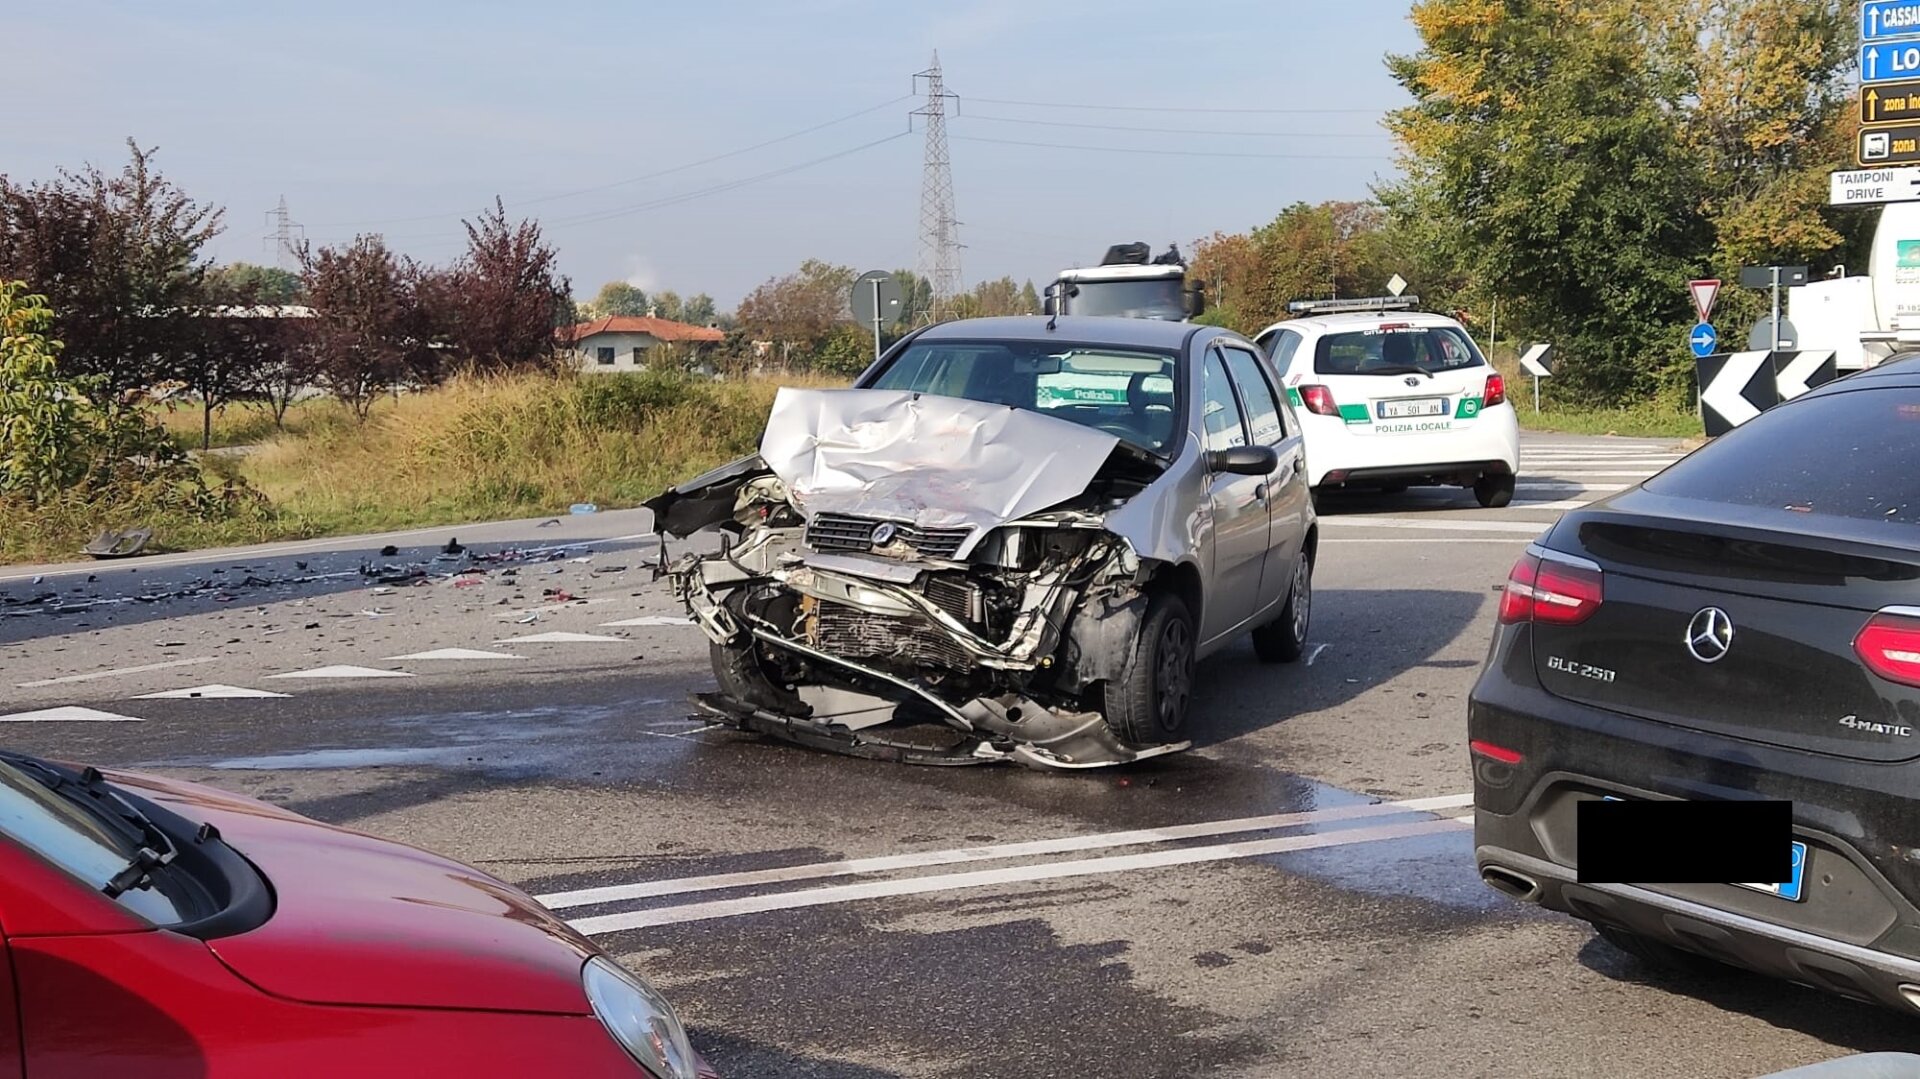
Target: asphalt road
[[1295, 895]]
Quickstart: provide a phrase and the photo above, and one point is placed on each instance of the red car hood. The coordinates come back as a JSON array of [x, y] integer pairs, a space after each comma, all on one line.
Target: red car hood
[[363, 920]]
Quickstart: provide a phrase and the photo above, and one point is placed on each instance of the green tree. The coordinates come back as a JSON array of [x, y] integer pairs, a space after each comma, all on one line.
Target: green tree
[[40, 415], [618, 298], [268, 284]]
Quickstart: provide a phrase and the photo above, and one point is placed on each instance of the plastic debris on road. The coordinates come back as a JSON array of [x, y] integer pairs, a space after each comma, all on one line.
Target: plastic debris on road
[[583, 507]]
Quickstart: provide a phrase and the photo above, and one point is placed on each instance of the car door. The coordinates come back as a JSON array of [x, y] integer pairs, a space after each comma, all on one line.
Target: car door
[[1287, 497], [9, 1014], [1239, 510]]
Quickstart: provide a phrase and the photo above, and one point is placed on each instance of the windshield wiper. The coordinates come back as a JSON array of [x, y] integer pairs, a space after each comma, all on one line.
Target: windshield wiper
[[88, 789]]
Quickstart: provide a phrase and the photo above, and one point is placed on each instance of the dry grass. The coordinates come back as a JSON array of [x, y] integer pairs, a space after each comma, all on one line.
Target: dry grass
[[517, 446], [233, 425]]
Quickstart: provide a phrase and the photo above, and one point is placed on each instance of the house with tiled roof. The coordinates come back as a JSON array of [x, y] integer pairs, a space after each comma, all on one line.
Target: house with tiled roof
[[622, 342]]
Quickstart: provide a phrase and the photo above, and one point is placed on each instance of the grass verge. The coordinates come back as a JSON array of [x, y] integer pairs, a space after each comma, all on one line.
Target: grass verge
[[472, 450], [233, 425], [1646, 422]]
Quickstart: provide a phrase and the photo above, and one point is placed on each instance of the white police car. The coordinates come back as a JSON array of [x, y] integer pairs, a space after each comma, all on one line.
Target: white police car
[[1390, 397]]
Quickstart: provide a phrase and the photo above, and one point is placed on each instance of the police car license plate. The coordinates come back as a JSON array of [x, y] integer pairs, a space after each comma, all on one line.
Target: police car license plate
[[1419, 406], [1793, 890]]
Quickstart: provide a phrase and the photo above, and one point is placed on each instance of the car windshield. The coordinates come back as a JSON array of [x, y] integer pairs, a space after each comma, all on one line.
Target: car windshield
[[1161, 299], [1390, 349], [1132, 394]]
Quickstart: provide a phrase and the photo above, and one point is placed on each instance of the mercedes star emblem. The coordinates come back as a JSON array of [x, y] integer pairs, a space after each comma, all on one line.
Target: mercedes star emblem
[[883, 533], [1709, 635]]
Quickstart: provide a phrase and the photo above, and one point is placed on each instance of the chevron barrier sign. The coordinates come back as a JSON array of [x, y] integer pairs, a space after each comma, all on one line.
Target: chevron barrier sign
[[1737, 386]]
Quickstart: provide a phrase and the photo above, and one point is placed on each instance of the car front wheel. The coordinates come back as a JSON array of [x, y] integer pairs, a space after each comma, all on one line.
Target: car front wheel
[[1494, 491], [1285, 638], [1149, 705]]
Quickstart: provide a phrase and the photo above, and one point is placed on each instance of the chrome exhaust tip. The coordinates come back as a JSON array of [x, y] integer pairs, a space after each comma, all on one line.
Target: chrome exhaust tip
[[1517, 885]]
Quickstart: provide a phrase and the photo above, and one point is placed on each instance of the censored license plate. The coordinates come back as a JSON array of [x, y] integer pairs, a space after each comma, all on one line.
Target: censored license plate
[[1419, 406], [1793, 890]]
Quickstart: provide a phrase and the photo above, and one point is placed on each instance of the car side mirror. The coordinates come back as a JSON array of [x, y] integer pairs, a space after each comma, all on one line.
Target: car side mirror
[[1196, 301], [1046, 305], [1245, 460]]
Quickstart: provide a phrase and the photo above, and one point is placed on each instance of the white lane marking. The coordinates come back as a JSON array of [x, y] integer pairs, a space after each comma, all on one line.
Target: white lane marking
[[68, 714], [1586, 474], [558, 637], [982, 878], [457, 653], [209, 693], [1566, 485], [651, 620], [115, 671], [343, 671], [1450, 524], [921, 859], [1315, 654]]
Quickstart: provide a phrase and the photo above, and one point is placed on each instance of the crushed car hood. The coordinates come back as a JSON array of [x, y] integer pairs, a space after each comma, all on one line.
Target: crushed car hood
[[938, 462]]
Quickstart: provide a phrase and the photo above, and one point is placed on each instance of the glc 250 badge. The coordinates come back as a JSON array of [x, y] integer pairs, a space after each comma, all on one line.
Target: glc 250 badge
[[1582, 670], [1864, 727]]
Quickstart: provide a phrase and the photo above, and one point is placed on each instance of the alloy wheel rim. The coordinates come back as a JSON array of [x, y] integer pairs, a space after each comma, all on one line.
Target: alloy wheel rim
[[1302, 598], [1175, 673]]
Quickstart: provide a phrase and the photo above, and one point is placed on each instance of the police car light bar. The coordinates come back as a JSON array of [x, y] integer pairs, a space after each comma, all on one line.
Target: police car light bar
[[1334, 307]]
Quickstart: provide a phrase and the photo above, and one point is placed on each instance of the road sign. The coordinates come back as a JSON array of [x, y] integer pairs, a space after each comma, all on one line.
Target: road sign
[[1736, 387], [1704, 292], [1870, 186], [1890, 102], [1883, 19], [1889, 61], [1762, 276], [1761, 336], [1703, 339], [876, 302], [1534, 361], [1397, 284], [1898, 144], [1794, 373]]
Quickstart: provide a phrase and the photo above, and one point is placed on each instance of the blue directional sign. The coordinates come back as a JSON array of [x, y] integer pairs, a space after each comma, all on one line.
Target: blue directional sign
[[1884, 19], [1889, 60], [1704, 339]]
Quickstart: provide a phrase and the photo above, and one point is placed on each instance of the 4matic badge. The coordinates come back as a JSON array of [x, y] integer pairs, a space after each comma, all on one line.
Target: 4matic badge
[[1864, 727], [1582, 670]]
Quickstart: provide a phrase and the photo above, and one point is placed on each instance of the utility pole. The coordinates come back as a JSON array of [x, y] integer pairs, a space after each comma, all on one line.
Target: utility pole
[[281, 238], [939, 242]]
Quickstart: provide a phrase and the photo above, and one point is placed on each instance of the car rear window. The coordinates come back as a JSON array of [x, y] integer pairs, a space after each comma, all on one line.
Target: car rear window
[[1854, 454], [1389, 349]]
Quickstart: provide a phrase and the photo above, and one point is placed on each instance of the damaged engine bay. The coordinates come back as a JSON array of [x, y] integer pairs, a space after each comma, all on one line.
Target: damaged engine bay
[[921, 578]]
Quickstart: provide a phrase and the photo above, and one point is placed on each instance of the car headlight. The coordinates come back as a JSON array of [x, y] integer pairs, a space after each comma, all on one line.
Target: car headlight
[[639, 1018]]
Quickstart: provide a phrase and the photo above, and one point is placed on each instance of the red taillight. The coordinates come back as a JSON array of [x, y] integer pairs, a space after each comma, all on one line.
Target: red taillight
[[1496, 393], [1889, 644], [1552, 591], [1319, 400], [1496, 753]]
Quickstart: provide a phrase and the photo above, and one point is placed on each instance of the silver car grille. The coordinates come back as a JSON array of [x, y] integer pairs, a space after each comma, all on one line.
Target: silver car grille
[[845, 532]]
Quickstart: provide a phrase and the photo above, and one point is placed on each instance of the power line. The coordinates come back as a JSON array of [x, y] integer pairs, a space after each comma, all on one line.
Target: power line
[[1177, 153], [685, 196], [639, 179], [1175, 108], [1180, 130]]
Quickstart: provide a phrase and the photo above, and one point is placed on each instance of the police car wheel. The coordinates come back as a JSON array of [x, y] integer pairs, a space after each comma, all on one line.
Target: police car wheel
[[1494, 491]]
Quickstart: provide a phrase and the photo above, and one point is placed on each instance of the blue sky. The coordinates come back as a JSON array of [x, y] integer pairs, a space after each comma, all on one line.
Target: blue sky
[[401, 117]]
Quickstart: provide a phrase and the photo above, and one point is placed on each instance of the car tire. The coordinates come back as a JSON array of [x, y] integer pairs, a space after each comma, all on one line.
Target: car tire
[[1494, 492], [1285, 638], [1148, 706], [1659, 954]]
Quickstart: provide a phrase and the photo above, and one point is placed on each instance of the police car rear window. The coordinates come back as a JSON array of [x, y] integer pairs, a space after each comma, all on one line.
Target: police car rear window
[[1389, 349]]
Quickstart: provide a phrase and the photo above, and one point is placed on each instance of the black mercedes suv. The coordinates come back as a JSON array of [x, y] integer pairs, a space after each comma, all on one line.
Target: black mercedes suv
[[1744, 625]]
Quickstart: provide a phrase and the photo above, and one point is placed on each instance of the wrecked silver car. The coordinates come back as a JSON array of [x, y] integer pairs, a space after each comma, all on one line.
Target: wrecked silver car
[[1011, 540]]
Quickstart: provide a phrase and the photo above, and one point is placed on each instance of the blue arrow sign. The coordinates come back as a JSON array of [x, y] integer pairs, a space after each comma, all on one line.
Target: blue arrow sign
[[1884, 19], [1890, 60], [1704, 338]]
